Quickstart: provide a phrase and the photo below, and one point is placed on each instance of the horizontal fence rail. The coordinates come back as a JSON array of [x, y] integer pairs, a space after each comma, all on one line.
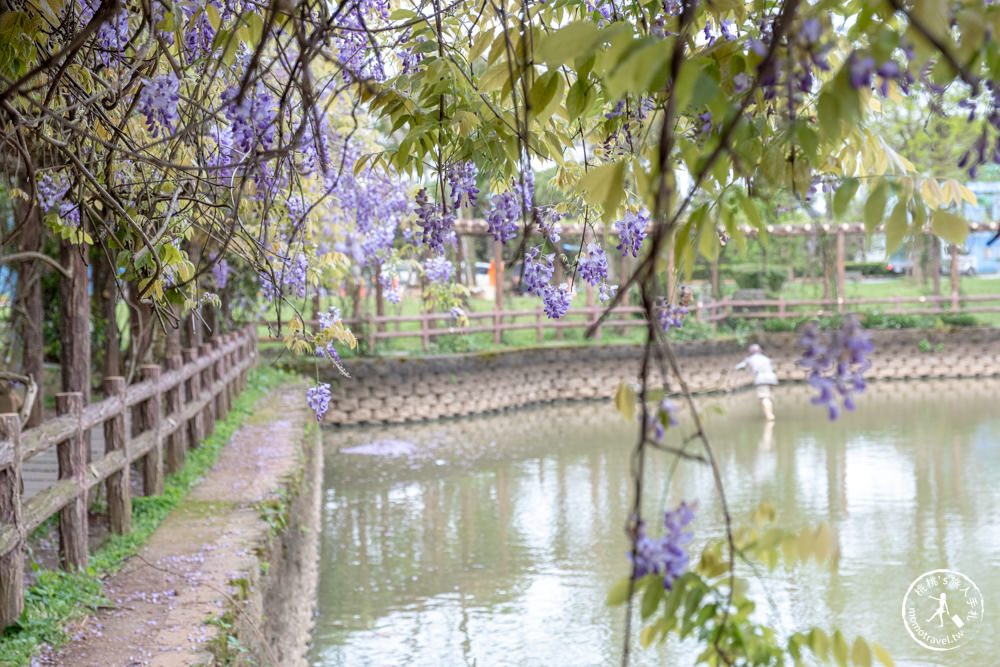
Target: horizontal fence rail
[[175, 409], [431, 325]]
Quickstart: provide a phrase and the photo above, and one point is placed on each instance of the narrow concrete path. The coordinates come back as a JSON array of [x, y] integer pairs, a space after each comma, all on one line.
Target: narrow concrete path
[[164, 595]]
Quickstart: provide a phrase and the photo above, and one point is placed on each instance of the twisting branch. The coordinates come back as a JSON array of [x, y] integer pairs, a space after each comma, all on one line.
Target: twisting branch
[[31, 254]]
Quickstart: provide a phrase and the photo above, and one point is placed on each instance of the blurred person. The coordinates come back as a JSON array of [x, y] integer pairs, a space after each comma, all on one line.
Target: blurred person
[[763, 378]]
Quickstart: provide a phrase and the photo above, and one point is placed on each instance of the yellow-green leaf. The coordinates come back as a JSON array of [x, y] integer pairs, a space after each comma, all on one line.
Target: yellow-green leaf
[[844, 195], [861, 655], [603, 186], [950, 227], [840, 648], [619, 592], [875, 207], [566, 43], [895, 228], [625, 401], [883, 656]]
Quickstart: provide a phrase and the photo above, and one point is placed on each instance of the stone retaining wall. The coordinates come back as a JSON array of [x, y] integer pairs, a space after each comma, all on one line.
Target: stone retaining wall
[[396, 390]]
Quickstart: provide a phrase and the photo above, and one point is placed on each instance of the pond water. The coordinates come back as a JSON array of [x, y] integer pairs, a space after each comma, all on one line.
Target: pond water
[[494, 540]]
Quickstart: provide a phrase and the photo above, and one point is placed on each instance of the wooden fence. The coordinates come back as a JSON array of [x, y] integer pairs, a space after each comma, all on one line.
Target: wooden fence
[[176, 408], [431, 325]]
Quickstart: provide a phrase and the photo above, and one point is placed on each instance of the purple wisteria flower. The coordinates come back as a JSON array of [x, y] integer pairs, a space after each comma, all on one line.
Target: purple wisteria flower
[[462, 182], [836, 366], [438, 269], [556, 300], [671, 315], [198, 35], [111, 37], [861, 69], [549, 226], [390, 287], [666, 556], [537, 272], [593, 265], [502, 219], [50, 190], [252, 119], [220, 273], [318, 398], [434, 226], [158, 103], [294, 275], [631, 232], [330, 318], [69, 213], [607, 292]]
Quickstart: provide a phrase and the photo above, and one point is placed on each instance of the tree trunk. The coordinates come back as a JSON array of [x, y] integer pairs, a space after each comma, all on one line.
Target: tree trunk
[[936, 264], [173, 343], [74, 325], [29, 300], [106, 291]]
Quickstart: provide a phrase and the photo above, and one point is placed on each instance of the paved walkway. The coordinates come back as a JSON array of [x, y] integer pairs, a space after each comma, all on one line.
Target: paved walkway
[[185, 573]]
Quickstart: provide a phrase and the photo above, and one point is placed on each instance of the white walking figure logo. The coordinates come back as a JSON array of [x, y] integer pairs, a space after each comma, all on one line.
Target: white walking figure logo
[[941, 610]]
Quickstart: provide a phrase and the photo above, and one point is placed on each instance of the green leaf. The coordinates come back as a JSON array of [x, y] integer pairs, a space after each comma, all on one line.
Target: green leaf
[[652, 596], [568, 42], [603, 186], [634, 73], [648, 635], [543, 93], [819, 643], [895, 228], [829, 110], [840, 649], [402, 15], [861, 655], [576, 100], [625, 401], [950, 227], [750, 209], [708, 238], [619, 592], [844, 195], [875, 207], [883, 656]]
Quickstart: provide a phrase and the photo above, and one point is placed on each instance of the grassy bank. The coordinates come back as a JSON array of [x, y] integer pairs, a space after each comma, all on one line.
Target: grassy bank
[[59, 597]]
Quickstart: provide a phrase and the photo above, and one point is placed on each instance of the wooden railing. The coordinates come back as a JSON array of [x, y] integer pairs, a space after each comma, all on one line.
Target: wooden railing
[[431, 325], [781, 308], [176, 408]]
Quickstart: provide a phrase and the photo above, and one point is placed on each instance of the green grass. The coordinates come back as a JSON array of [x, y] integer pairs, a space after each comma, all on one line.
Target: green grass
[[58, 597]]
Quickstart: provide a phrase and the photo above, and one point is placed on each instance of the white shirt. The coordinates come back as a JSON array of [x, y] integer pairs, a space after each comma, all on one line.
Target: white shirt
[[760, 366]]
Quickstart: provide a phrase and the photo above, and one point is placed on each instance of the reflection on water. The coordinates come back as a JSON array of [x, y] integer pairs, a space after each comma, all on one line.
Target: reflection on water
[[493, 541]]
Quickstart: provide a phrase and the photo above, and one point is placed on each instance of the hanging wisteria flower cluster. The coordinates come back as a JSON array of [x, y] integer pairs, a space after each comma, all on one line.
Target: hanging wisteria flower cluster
[[836, 363], [666, 556]]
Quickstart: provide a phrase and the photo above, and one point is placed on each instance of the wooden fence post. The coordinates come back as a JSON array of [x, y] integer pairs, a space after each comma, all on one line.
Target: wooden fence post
[[241, 356], [149, 415], [225, 363], [72, 462], [177, 441], [192, 391], [12, 562], [220, 398], [208, 418], [539, 333], [424, 331], [118, 484]]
